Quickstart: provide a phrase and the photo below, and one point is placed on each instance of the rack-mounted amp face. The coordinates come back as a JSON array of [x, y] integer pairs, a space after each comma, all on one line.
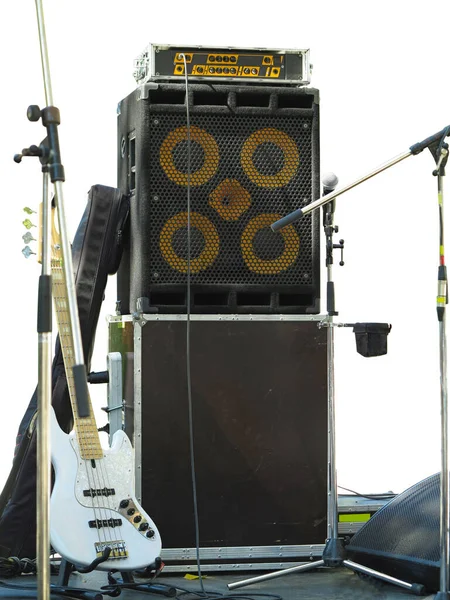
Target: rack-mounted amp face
[[274, 66]]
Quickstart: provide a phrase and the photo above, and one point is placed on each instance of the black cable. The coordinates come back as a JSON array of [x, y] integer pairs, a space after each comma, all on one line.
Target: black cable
[[203, 593], [188, 332], [69, 592], [209, 594], [386, 496], [220, 596], [13, 566]]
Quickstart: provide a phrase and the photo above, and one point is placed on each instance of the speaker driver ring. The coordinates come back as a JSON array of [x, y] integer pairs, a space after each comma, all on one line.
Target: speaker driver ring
[[209, 252], [209, 147], [273, 266], [286, 145]]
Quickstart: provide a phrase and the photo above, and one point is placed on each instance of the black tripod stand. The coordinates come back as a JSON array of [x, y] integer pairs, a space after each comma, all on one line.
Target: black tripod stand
[[334, 554]]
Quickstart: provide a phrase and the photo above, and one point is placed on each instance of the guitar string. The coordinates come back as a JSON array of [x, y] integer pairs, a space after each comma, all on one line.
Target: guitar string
[[99, 484], [99, 474], [103, 476], [67, 333], [58, 284], [85, 448], [109, 486], [110, 500]]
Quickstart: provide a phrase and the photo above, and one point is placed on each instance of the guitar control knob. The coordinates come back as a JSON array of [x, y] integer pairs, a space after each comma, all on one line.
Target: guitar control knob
[[143, 526], [150, 533], [137, 519], [131, 511], [124, 503]]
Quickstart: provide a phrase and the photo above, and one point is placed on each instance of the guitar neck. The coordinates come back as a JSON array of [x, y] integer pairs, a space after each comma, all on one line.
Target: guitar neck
[[86, 427]]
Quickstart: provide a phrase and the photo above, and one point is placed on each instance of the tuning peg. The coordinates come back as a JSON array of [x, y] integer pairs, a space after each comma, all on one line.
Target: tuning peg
[[27, 238], [28, 224], [27, 252], [29, 211]]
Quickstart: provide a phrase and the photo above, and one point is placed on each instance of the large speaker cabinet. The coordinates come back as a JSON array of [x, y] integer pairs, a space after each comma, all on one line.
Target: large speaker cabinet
[[259, 398], [254, 157]]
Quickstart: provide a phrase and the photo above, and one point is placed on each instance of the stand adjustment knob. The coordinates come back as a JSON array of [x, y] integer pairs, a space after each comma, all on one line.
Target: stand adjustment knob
[[340, 246], [33, 113]]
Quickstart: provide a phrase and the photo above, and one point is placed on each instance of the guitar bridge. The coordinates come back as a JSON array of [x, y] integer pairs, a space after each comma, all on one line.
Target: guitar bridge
[[118, 549]]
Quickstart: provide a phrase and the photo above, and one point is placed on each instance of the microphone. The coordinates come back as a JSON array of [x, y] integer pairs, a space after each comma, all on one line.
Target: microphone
[[329, 182]]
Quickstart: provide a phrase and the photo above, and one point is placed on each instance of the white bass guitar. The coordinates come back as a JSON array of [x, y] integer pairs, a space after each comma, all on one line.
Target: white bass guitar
[[93, 507]]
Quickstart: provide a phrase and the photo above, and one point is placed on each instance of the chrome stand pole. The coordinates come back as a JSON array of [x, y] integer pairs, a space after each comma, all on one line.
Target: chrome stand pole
[[444, 507], [50, 117], [442, 300], [43, 469], [332, 505], [50, 157]]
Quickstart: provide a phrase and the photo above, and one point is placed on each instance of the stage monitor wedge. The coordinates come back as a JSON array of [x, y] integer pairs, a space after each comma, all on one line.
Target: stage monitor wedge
[[403, 538], [250, 156]]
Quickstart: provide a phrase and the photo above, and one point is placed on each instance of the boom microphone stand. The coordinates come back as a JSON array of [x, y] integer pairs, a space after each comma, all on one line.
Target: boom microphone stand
[[440, 153], [334, 554], [50, 157]]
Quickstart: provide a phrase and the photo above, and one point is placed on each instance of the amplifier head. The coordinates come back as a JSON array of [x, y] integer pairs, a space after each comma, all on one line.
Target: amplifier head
[[251, 65]]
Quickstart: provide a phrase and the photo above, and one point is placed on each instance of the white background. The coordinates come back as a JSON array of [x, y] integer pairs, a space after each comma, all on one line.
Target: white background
[[382, 71]]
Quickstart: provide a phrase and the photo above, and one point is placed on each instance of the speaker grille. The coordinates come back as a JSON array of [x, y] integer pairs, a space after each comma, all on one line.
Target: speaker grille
[[246, 171], [403, 538]]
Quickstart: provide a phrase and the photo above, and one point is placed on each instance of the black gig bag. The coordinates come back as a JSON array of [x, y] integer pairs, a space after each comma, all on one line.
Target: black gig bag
[[96, 253]]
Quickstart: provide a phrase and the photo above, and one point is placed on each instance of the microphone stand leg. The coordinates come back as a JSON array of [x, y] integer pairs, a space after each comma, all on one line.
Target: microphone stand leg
[[297, 569]]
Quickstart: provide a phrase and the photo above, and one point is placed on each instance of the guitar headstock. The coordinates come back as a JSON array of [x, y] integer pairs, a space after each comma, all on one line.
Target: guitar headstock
[[28, 238]]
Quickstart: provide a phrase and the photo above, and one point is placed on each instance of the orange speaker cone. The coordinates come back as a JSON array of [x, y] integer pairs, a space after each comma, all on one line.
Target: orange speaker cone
[[269, 266], [210, 149], [210, 235]]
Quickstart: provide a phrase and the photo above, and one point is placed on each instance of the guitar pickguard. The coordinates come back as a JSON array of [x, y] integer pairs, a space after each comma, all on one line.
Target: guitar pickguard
[[95, 478], [111, 478]]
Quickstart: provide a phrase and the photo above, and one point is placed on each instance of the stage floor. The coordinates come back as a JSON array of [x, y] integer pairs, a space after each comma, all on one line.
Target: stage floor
[[336, 584]]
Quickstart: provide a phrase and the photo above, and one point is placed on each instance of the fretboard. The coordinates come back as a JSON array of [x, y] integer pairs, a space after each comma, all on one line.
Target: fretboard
[[86, 427]]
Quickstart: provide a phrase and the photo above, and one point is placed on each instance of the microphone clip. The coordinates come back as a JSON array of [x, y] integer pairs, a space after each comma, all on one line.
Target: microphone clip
[[340, 247]]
